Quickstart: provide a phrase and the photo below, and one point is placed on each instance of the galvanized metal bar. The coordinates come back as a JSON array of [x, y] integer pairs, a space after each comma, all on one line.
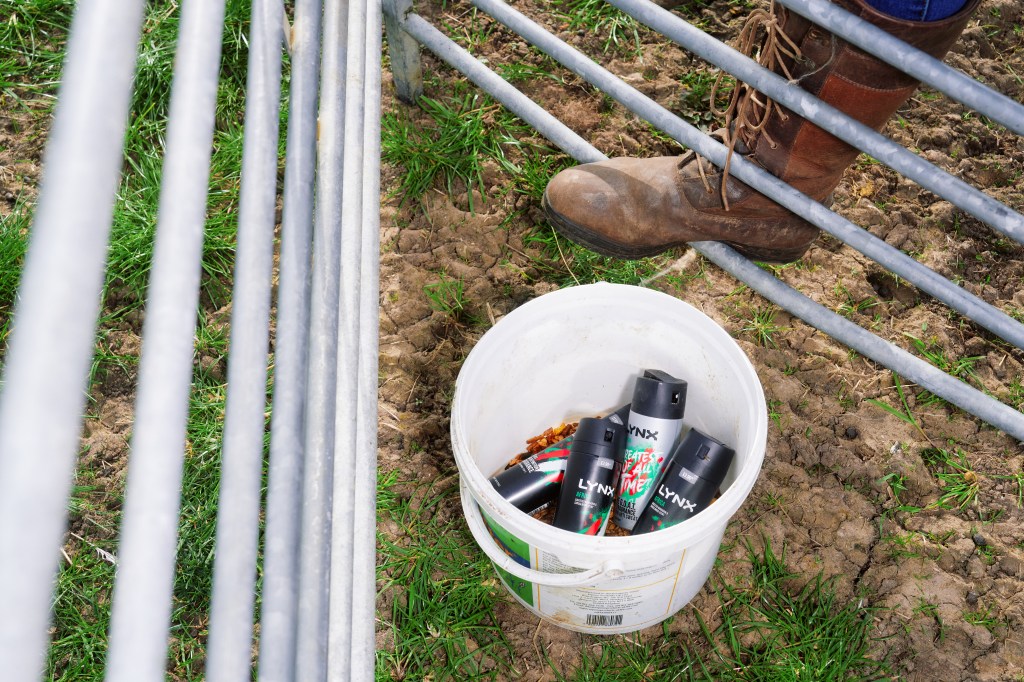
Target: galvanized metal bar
[[879, 350], [342, 528], [924, 67], [896, 261], [523, 107], [364, 580], [141, 610], [314, 564], [955, 190], [48, 356], [893, 357], [229, 650], [279, 609], [404, 52]]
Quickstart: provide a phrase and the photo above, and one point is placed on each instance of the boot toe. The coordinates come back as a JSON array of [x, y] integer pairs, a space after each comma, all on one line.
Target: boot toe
[[580, 195]]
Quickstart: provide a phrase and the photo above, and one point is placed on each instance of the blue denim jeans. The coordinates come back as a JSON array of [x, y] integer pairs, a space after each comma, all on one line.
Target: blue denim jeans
[[918, 10]]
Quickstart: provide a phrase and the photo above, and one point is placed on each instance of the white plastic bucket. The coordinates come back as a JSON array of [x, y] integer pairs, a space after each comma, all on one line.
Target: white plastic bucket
[[576, 352]]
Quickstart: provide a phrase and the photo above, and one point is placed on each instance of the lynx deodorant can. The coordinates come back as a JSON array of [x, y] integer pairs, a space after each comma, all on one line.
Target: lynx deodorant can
[[692, 477], [655, 419], [533, 484], [591, 474]]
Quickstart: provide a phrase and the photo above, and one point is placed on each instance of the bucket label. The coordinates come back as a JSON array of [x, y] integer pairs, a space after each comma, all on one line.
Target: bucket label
[[635, 598], [518, 551]]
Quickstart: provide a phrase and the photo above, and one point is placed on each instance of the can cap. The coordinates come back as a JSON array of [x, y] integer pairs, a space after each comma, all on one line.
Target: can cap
[[659, 395], [605, 438], [622, 414], [703, 456]]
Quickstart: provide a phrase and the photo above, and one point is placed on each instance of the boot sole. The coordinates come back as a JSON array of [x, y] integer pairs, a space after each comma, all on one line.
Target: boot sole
[[606, 247]]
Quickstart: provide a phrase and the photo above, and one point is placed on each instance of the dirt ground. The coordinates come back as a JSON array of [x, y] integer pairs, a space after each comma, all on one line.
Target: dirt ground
[[840, 472]]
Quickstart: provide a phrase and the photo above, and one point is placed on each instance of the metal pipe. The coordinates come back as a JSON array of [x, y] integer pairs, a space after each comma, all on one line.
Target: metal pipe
[[963, 302], [881, 351], [342, 529], [958, 192], [523, 107], [51, 345], [314, 564], [864, 342], [229, 650], [145, 576], [364, 581], [924, 67], [287, 434]]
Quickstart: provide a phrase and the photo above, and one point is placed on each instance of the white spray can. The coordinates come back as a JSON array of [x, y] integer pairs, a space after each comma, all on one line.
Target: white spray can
[[655, 420]]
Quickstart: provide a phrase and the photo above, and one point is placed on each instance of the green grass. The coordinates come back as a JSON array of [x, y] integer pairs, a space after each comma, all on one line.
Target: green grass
[[446, 147], [13, 244], [696, 89], [761, 326], [567, 263], [958, 483], [903, 412], [985, 618], [441, 622], [448, 295], [32, 35], [773, 631], [450, 145], [619, 30], [768, 624]]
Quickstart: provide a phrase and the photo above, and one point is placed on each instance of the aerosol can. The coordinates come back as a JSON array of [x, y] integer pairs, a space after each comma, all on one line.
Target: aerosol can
[[591, 474], [655, 420], [535, 482], [695, 471]]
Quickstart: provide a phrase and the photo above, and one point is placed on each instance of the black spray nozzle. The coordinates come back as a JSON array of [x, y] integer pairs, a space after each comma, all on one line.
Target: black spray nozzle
[[703, 456], [660, 395], [602, 437]]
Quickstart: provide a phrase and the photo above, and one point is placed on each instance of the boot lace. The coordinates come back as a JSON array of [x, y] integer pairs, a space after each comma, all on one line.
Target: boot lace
[[749, 111]]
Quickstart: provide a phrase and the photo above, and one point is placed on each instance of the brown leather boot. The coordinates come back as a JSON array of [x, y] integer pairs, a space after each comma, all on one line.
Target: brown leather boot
[[633, 208]]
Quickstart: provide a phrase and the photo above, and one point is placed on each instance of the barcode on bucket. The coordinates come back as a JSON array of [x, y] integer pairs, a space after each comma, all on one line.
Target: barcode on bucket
[[598, 619]]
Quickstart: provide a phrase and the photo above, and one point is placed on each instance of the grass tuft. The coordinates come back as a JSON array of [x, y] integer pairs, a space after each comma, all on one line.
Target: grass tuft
[[447, 149], [773, 631], [958, 482], [442, 623], [621, 31]]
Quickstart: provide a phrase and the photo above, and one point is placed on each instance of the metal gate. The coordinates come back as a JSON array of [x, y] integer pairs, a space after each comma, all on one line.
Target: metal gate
[[407, 30]]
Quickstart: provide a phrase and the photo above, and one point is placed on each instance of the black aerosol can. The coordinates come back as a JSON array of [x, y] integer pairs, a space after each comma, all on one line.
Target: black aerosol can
[[693, 475], [591, 475], [535, 482], [655, 419]]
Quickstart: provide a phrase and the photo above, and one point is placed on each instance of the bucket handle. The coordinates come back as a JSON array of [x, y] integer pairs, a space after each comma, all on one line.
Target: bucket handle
[[475, 521]]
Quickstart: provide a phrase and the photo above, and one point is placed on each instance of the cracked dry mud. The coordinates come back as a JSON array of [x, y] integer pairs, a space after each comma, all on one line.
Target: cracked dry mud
[[947, 582]]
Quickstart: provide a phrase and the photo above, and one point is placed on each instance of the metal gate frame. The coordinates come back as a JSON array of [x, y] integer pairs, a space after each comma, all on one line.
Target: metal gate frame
[[319, 585], [407, 31]]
